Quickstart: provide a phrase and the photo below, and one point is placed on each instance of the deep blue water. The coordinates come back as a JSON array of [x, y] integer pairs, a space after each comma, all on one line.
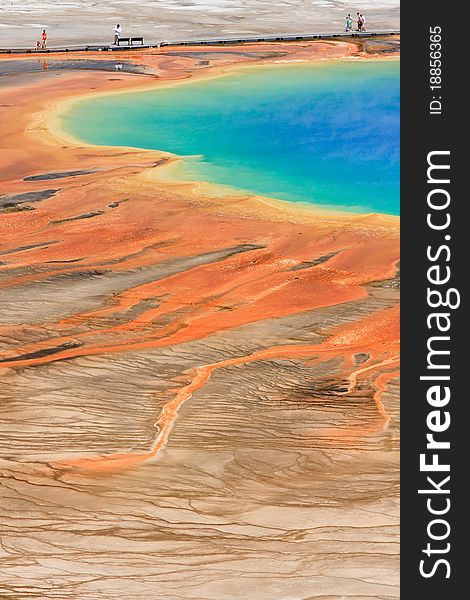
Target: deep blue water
[[325, 133]]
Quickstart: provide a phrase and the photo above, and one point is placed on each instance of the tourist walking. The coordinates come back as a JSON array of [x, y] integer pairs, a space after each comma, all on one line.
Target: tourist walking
[[348, 23], [359, 22], [363, 23], [44, 39], [117, 34]]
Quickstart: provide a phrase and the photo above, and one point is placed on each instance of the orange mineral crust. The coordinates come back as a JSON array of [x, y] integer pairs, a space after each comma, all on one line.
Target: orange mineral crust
[[200, 389]]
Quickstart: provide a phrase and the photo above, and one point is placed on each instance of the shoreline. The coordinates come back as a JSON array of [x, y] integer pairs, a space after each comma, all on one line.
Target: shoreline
[[53, 121]]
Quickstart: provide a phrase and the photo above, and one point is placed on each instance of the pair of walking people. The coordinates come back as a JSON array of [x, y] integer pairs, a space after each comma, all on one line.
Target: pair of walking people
[[360, 20]]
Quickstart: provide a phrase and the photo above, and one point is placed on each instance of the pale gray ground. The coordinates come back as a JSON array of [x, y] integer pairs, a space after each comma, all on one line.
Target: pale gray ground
[[80, 21]]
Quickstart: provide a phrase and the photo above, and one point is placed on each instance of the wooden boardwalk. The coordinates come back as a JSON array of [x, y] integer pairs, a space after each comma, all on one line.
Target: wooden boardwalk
[[203, 42]]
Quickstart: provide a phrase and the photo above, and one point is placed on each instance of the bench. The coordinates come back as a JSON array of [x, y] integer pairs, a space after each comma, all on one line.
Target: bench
[[130, 41]]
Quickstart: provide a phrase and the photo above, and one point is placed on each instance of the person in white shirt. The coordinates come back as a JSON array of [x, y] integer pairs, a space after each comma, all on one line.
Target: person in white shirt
[[117, 33]]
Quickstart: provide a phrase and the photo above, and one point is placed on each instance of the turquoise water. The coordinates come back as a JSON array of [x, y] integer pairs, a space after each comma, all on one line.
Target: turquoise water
[[325, 133]]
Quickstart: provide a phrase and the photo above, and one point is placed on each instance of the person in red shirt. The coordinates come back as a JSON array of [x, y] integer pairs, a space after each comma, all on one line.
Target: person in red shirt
[[44, 38]]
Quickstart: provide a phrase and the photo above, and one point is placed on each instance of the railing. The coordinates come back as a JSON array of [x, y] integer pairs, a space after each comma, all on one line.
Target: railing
[[201, 42]]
